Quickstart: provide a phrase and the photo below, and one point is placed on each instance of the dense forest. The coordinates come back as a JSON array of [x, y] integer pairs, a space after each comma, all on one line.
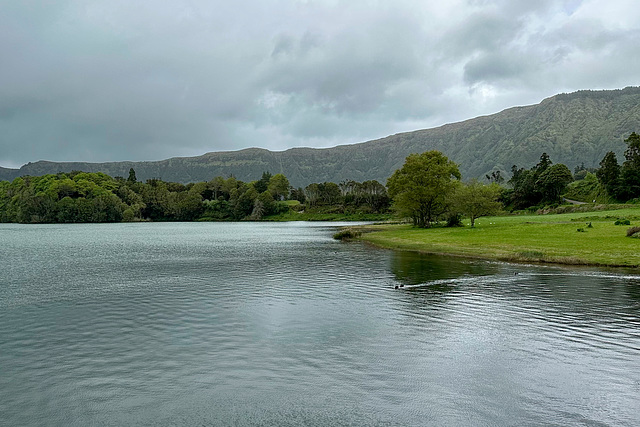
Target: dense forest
[[78, 197], [428, 189]]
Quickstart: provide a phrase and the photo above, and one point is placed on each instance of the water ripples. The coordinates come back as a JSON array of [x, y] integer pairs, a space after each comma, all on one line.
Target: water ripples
[[250, 324]]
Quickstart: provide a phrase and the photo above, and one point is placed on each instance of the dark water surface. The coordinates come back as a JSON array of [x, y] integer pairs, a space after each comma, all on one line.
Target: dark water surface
[[278, 324]]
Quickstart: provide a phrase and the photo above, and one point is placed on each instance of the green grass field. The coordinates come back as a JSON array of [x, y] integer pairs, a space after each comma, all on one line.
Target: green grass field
[[528, 238]]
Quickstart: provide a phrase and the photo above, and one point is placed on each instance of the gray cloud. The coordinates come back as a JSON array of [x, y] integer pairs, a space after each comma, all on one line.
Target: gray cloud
[[118, 80]]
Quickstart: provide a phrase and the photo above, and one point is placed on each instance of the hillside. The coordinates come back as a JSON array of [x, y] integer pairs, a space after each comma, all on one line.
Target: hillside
[[572, 128]]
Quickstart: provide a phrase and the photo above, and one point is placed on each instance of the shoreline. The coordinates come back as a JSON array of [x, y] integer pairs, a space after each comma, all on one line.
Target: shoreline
[[513, 260], [571, 239]]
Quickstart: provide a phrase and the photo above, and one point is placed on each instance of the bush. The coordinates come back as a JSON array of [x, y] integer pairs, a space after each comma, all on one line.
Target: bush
[[622, 222], [454, 220], [633, 232], [580, 230], [347, 234]]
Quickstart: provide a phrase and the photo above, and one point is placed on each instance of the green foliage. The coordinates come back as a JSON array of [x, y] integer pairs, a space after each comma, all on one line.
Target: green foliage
[[523, 193], [587, 189], [632, 153], [454, 220], [217, 210], [476, 200], [540, 185], [95, 197], [580, 172], [326, 193], [263, 183], [495, 177], [609, 174], [298, 194], [279, 187], [347, 234], [132, 177], [552, 182], [422, 188], [622, 222], [186, 206], [622, 183]]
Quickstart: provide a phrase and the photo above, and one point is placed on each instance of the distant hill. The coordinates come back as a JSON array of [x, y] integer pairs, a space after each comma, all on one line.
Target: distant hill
[[572, 128], [8, 174]]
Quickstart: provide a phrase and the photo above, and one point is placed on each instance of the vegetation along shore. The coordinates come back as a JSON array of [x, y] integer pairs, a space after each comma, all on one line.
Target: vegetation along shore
[[517, 220], [427, 190]]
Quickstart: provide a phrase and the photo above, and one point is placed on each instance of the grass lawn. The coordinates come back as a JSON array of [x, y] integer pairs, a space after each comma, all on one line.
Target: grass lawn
[[530, 238]]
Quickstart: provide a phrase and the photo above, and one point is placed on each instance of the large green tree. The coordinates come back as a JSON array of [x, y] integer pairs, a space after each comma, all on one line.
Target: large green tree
[[422, 188], [543, 183], [609, 174], [279, 187], [553, 181], [630, 173]]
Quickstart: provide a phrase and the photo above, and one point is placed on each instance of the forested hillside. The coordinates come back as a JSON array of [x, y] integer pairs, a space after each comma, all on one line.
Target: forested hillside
[[574, 128]]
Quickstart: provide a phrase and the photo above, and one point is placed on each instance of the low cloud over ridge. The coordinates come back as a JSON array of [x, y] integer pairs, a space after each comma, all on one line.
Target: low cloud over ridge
[[116, 80]]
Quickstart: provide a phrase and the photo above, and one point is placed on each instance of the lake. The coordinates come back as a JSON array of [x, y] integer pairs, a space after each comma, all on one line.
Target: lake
[[278, 324]]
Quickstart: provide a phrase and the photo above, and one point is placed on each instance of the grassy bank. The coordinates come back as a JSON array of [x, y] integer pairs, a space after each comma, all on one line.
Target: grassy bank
[[550, 238]]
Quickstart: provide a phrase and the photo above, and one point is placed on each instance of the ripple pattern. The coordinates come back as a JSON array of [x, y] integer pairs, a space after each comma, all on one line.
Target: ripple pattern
[[278, 324]]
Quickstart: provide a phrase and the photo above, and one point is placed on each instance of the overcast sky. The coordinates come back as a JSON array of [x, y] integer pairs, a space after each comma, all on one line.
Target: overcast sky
[[146, 80]]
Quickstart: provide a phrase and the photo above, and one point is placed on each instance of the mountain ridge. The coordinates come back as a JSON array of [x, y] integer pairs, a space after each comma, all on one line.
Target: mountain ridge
[[573, 128]]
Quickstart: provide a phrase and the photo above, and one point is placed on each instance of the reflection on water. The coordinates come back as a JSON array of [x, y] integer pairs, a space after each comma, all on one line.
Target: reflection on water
[[411, 268], [278, 324]]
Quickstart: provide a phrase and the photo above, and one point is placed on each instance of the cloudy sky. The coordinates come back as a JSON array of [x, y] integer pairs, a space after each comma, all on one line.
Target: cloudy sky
[[110, 80]]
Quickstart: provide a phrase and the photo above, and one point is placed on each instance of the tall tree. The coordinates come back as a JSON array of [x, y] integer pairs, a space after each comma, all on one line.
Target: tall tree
[[630, 173], [523, 193], [278, 186], [609, 174], [553, 181], [132, 177], [543, 164], [298, 194], [263, 183], [632, 153], [421, 189], [495, 177]]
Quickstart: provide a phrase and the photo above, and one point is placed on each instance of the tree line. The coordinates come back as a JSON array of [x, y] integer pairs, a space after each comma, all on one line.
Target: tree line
[[427, 189], [79, 197]]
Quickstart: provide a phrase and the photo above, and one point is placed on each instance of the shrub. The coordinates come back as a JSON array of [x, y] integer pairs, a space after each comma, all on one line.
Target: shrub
[[454, 220], [633, 231], [580, 230], [622, 222], [347, 234]]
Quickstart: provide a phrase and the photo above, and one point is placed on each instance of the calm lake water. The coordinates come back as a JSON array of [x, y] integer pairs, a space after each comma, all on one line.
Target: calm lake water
[[278, 324]]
